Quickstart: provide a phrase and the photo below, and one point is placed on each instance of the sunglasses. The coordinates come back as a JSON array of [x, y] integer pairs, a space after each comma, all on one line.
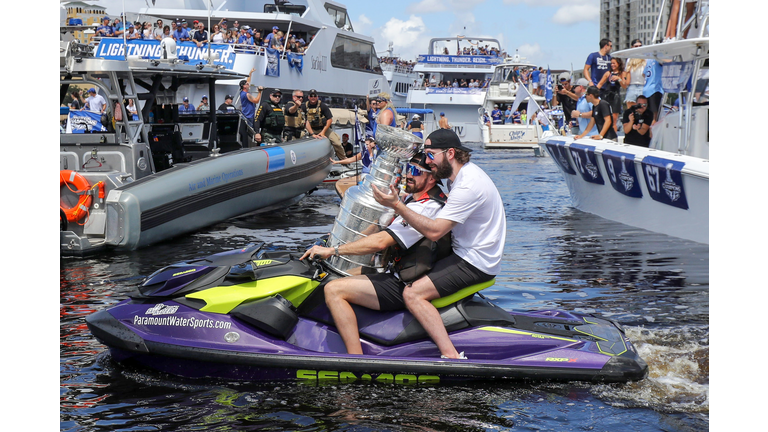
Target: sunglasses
[[431, 155], [413, 170], [299, 97], [642, 105], [636, 46]]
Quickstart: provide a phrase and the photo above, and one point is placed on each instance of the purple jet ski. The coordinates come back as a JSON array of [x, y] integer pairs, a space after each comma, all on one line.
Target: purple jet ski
[[254, 315]]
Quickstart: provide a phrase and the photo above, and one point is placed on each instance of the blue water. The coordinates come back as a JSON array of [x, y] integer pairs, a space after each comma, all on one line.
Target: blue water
[[555, 257]]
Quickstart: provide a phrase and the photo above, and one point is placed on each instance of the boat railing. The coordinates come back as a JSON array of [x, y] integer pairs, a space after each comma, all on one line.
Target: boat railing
[[389, 67]]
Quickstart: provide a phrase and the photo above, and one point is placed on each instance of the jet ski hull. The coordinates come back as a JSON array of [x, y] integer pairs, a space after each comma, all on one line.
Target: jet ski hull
[[180, 340]]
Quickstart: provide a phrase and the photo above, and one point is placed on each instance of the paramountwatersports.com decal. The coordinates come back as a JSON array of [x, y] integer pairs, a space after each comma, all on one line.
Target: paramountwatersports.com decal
[[163, 315]]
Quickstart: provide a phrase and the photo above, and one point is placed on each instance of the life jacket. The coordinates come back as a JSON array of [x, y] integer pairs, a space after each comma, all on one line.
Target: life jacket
[[315, 115], [418, 259], [274, 120], [294, 121]]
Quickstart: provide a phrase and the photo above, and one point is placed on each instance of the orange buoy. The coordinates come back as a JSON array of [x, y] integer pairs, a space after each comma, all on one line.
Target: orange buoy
[[69, 177]]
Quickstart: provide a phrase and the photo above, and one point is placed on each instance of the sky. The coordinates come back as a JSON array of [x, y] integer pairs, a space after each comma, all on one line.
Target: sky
[[555, 33]]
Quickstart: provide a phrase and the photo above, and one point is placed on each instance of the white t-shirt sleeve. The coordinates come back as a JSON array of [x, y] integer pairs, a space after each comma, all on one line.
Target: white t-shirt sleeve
[[461, 203]]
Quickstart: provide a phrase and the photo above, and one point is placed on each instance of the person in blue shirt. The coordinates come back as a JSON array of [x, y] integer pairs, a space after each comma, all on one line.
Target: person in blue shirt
[[105, 30], [517, 117], [598, 63], [248, 102], [653, 89], [118, 27], [268, 38], [583, 111], [535, 81], [180, 34], [186, 108], [508, 115], [496, 115]]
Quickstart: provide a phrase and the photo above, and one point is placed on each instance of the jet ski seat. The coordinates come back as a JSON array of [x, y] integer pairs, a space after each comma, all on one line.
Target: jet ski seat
[[462, 293]]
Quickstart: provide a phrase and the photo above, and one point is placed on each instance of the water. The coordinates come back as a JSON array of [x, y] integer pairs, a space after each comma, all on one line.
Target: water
[[555, 257]]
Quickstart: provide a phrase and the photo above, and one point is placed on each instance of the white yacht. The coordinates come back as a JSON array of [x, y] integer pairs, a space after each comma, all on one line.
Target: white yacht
[[338, 62], [459, 104], [503, 92], [664, 188], [400, 76]]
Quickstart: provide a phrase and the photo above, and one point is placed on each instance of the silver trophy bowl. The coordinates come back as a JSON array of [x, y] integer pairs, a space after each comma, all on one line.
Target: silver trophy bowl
[[359, 214]]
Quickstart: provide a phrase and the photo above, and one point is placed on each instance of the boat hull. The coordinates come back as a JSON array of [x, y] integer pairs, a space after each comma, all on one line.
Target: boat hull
[[651, 189], [190, 196]]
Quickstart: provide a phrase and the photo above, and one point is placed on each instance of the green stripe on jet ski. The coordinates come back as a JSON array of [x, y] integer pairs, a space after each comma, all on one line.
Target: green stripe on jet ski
[[518, 332]]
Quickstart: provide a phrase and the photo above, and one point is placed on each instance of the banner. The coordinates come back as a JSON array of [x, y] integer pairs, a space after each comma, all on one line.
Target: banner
[[295, 61], [586, 163], [664, 179], [621, 173], [273, 63], [558, 152], [84, 122], [548, 94], [676, 75], [454, 90], [113, 49], [467, 59]]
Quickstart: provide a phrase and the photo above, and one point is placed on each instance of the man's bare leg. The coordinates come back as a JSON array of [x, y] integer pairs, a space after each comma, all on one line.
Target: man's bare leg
[[417, 299], [339, 294]]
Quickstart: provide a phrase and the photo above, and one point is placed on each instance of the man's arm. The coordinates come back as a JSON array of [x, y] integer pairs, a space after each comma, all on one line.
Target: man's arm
[[628, 125], [587, 129], [587, 75], [607, 125], [432, 229], [366, 245], [385, 116]]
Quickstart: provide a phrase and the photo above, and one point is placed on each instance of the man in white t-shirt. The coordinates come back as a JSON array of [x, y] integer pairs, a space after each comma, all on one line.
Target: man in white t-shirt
[[474, 214], [381, 291], [95, 102]]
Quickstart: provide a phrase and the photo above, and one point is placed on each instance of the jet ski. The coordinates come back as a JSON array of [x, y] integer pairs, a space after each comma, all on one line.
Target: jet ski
[[253, 315]]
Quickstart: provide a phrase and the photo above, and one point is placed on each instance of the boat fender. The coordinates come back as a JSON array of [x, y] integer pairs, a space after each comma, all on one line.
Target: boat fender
[[81, 186], [274, 315]]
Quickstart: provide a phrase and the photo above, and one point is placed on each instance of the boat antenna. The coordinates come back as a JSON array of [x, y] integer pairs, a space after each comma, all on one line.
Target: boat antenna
[[210, 6]]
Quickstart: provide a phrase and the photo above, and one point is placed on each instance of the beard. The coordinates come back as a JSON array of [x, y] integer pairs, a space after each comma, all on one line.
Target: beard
[[410, 186], [442, 171]]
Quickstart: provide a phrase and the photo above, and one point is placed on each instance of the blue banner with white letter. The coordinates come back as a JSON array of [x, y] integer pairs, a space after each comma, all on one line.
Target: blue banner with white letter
[[586, 163], [85, 122], [273, 63], [557, 150], [664, 179], [295, 61], [621, 173], [466, 60], [676, 75], [113, 49], [454, 90]]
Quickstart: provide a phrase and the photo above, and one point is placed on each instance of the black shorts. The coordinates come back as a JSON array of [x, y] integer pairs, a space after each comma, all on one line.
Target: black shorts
[[452, 274], [389, 290]]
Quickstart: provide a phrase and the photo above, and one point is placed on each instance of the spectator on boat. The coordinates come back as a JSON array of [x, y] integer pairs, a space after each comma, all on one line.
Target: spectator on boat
[[185, 107], [486, 120], [166, 33], [227, 106], [674, 13], [416, 127], [147, 32], [387, 114], [634, 71], [371, 113], [236, 26], [130, 106], [473, 214], [523, 116], [367, 155], [257, 39], [268, 38], [535, 80], [496, 115], [319, 119], [174, 25], [180, 34], [565, 96], [119, 27], [200, 36], [652, 89], [203, 106], [610, 86], [598, 63], [158, 30], [542, 82], [132, 32], [508, 115], [269, 120], [348, 149], [583, 111], [105, 29], [248, 102], [77, 100], [245, 38], [601, 116], [516, 117], [217, 36], [637, 123], [231, 37], [95, 102], [443, 122]]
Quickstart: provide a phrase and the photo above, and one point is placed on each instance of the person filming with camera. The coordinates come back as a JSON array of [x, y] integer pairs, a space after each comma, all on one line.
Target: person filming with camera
[[637, 123]]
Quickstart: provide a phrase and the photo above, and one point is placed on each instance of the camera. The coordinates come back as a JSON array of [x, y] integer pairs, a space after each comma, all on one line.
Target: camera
[[559, 86]]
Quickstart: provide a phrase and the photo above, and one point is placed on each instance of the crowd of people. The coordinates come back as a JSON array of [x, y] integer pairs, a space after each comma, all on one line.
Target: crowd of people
[[404, 65], [477, 50], [222, 33]]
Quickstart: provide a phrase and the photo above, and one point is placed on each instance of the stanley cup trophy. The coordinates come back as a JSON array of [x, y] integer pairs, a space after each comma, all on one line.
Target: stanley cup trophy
[[359, 214]]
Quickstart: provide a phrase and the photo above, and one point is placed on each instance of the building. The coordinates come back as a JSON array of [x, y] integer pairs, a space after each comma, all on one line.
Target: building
[[622, 21]]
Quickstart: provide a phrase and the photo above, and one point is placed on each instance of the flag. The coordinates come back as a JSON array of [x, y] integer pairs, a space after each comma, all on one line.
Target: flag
[[273, 62], [84, 122], [295, 60], [359, 136], [549, 85]]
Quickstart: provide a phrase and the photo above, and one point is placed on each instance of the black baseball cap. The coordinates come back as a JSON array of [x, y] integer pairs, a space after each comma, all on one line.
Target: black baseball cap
[[276, 91], [228, 97], [420, 160], [444, 139], [312, 92]]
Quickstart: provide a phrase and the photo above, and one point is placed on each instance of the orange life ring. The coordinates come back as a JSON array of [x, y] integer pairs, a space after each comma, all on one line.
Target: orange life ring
[[69, 177]]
